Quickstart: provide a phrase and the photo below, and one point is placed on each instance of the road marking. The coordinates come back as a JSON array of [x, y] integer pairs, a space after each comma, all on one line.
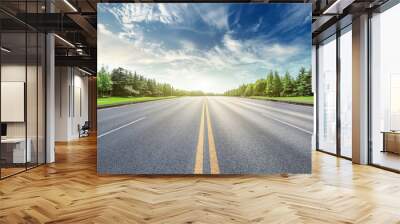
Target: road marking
[[211, 146], [289, 124], [116, 129], [198, 167]]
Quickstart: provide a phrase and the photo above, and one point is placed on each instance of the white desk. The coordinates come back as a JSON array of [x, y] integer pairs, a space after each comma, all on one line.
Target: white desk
[[19, 153]]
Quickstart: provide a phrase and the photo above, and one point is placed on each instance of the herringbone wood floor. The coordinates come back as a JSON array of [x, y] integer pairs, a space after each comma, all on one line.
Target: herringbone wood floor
[[70, 191]]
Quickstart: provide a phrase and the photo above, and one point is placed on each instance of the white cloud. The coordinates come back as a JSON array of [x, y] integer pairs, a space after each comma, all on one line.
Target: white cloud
[[190, 67], [232, 44], [102, 29], [258, 50], [138, 12], [216, 16], [188, 45], [291, 19], [281, 52]]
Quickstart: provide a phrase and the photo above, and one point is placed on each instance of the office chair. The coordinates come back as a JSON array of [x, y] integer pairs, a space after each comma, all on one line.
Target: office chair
[[84, 130]]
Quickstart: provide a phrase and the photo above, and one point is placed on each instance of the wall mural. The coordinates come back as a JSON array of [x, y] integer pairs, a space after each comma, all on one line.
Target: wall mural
[[204, 88]]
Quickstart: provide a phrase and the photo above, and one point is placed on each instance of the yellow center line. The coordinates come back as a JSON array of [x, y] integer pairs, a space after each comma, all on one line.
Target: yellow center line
[[198, 167], [211, 146]]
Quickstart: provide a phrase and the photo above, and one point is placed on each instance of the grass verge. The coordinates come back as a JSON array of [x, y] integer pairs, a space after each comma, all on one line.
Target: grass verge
[[115, 101], [307, 100]]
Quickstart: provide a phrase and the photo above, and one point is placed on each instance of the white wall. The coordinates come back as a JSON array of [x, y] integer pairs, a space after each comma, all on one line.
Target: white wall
[[62, 82], [12, 73], [16, 73], [70, 83], [33, 126], [79, 117]]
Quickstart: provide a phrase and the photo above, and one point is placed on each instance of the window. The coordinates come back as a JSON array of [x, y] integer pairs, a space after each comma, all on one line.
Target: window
[[385, 89], [346, 92], [327, 95]]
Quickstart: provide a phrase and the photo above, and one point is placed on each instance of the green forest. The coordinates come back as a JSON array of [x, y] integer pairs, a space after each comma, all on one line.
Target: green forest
[[123, 83], [275, 85]]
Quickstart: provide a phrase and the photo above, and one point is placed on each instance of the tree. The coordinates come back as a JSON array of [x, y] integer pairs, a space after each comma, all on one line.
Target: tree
[[104, 83], [259, 87], [303, 83], [142, 86], [120, 82], [287, 85], [135, 84], [274, 85], [242, 90], [277, 86], [269, 85], [308, 83], [249, 90], [150, 87]]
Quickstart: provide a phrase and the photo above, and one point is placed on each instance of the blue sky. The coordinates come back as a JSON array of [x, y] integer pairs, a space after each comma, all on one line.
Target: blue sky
[[209, 46]]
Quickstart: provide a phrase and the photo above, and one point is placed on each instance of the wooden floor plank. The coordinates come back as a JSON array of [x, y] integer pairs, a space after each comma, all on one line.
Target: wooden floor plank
[[70, 191]]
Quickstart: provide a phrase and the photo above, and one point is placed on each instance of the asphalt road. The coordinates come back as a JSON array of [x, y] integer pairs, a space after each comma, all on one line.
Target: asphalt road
[[205, 135]]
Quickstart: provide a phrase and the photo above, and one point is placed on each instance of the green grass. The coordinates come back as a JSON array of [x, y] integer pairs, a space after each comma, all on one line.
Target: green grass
[[112, 101], [292, 99]]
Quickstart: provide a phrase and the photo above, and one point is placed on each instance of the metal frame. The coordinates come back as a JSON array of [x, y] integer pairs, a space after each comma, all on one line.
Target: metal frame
[[316, 97], [26, 90], [338, 75], [369, 100]]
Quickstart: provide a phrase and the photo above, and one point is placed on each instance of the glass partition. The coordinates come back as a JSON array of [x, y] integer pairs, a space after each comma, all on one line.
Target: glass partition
[[327, 95], [31, 99], [13, 114], [22, 88]]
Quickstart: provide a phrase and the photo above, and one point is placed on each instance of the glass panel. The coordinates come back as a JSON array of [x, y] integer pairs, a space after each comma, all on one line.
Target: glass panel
[[385, 83], [327, 95], [13, 79], [32, 89], [23, 90], [346, 92]]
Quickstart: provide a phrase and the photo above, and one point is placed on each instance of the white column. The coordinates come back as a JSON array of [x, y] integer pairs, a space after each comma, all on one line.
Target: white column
[[360, 90], [50, 92], [50, 99]]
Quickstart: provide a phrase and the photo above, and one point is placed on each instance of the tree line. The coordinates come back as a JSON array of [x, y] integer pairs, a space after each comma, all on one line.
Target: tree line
[[123, 83], [275, 85]]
